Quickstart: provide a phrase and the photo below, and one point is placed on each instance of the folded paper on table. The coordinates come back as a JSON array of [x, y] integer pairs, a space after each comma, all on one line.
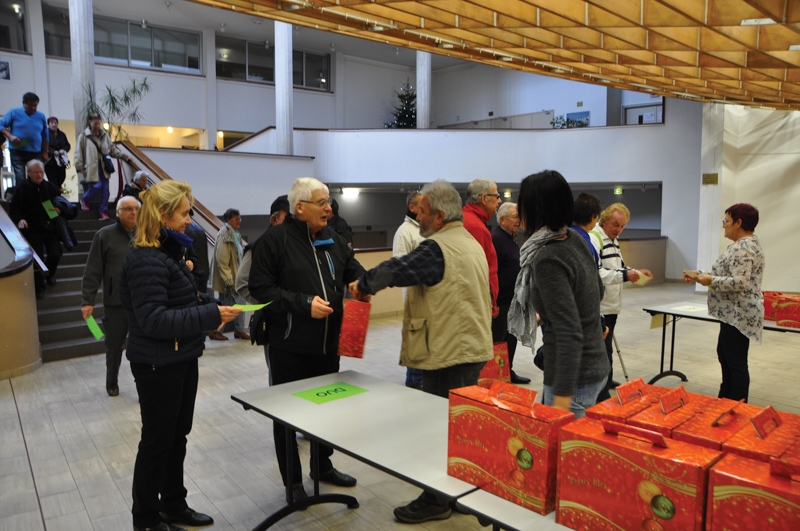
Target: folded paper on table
[[94, 328], [50, 209], [251, 307], [689, 308], [354, 328]]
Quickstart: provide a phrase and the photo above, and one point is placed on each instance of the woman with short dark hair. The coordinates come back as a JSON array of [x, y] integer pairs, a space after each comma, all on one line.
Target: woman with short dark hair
[[735, 298], [559, 281]]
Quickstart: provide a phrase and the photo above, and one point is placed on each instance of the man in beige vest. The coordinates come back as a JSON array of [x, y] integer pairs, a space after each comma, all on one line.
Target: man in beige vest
[[448, 310]]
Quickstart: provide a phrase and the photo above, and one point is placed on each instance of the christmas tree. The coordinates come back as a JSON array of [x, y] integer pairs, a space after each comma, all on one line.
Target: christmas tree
[[405, 113]]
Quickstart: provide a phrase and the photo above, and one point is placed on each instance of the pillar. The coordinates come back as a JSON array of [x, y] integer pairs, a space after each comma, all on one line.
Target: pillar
[[284, 102]]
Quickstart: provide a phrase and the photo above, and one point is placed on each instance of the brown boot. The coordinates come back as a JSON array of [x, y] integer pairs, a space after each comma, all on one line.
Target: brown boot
[[216, 334]]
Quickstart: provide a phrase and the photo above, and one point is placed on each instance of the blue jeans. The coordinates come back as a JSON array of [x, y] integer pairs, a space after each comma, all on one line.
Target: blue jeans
[[585, 397], [19, 159], [229, 298], [101, 187]]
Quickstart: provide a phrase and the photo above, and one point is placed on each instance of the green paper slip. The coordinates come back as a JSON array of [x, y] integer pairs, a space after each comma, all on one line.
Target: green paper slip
[[50, 209], [94, 328], [251, 307], [329, 393]]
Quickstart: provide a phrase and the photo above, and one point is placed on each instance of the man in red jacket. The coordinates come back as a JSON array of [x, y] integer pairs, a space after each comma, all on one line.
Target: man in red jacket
[[481, 204]]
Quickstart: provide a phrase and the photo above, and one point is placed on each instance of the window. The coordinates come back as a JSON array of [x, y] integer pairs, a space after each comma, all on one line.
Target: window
[[255, 61], [140, 45], [12, 25], [56, 31]]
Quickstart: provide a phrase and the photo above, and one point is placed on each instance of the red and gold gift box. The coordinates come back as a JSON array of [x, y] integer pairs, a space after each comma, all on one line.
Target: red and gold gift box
[[770, 300], [496, 368], [353, 334], [769, 435], [716, 424], [502, 441], [613, 476], [673, 409], [744, 494], [787, 311], [632, 397]]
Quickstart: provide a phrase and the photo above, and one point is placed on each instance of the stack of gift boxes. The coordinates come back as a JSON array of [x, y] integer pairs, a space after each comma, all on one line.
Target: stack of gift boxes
[[651, 458], [783, 308]]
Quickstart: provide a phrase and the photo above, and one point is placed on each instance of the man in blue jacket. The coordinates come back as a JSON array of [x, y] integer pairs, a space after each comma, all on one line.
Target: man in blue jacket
[[27, 134]]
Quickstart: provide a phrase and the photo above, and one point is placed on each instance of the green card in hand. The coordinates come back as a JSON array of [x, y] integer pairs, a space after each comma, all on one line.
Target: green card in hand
[[94, 328], [50, 209], [251, 307]]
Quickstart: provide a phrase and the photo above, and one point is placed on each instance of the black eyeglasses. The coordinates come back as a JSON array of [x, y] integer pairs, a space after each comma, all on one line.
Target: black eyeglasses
[[321, 203], [493, 195]]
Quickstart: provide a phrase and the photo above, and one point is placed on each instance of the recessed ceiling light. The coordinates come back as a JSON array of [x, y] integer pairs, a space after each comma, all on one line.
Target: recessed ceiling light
[[757, 22], [794, 48]]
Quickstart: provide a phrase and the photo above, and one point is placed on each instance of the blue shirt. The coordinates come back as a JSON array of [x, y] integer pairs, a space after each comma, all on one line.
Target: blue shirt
[[30, 129], [585, 236]]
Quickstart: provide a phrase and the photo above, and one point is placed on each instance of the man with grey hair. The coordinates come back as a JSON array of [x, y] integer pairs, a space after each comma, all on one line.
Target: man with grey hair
[[505, 244], [406, 239], [137, 185], [481, 204], [110, 246], [447, 311], [302, 267]]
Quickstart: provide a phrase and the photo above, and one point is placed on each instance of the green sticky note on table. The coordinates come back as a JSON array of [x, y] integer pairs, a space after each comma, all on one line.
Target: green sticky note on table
[[329, 393], [50, 209], [94, 328], [251, 307]]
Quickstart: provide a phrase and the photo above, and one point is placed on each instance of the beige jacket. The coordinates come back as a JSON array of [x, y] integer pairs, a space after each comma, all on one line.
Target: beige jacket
[[226, 261], [450, 323], [87, 157]]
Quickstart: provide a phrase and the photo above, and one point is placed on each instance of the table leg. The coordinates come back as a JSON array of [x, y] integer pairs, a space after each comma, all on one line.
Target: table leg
[[671, 371], [315, 499]]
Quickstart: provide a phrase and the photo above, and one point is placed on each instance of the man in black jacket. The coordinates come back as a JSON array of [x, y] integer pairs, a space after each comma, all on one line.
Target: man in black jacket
[[302, 267], [28, 212]]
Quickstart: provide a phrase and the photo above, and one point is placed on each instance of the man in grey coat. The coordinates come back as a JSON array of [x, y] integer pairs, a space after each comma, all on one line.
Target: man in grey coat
[[109, 247]]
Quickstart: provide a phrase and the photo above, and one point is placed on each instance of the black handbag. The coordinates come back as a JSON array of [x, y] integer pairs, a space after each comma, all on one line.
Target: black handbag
[[108, 164], [258, 328]]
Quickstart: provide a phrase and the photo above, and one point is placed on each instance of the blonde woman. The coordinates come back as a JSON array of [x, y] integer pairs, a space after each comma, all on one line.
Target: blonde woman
[[166, 320]]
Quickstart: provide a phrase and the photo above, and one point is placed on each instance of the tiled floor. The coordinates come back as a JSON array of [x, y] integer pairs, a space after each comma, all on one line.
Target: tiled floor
[[67, 449]]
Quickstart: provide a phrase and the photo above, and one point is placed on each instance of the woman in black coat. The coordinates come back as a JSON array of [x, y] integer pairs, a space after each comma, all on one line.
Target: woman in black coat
[[166, 320], [56, 166]]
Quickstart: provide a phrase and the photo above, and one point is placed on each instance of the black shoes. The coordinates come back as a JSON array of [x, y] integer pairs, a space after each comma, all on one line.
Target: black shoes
[[112, 390], [337, 478], [187, 516], [163, 526], [422, 510], [51, 279], [299, 493], [517, 379]]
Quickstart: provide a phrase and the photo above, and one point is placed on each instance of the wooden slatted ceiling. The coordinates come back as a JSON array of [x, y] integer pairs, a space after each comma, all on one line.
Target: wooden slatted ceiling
[[697, 49]]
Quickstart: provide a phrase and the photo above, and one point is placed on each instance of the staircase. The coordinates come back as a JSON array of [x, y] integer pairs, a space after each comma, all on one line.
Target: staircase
[[63, 333]]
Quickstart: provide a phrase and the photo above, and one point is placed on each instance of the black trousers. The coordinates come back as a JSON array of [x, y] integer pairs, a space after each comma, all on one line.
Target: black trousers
[[732, 348], [44, 239], [286, 367], [500, 333], [166, 400], [611, 323], [115, 324]]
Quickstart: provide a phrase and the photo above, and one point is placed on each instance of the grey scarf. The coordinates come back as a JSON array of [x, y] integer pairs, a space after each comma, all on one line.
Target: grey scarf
[[522, 314]]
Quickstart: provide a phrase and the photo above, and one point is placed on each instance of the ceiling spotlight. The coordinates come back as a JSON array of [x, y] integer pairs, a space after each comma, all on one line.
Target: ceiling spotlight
[[349, 193], [169, 129], [507, 194], [757, 22], [266, 45], [222, 27], [618, 190], [292, 7], [167, 4], [144, 24], [333, 47], [397, 51], [220, 134]]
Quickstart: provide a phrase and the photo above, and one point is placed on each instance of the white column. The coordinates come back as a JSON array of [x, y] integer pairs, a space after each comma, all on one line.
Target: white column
[[423, 90], [284, 102], [40, 85], [711, 161], [209, 139], [81, 34]]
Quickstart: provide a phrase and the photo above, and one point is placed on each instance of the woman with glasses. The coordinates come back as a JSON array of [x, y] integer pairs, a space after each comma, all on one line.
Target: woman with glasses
[[735, 298], [558, 280]]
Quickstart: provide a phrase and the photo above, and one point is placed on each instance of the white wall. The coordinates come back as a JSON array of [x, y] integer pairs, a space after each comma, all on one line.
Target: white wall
[[470, 92], [369, 91]]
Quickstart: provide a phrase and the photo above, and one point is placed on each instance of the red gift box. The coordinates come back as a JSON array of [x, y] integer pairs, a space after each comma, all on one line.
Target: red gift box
[[353, 333], [502, 441], [713, 426], [673, 409], [787, 311], [769, 435], [770, 300], [632, 397], [613, 476], [744, 494], [496, 368]]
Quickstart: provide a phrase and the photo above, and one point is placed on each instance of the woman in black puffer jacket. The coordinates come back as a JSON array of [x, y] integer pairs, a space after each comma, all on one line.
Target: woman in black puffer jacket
[[166, 320]]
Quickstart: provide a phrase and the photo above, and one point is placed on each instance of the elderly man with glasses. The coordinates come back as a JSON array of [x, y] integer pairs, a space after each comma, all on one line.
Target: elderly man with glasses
[[109, 247], [481, 204], [302, 267]]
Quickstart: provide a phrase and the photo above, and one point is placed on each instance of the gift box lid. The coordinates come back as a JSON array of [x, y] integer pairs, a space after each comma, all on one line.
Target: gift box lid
[[616, 435], [674, 408], [632, 397], [519, 400], [770, 434], [717, 423]]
